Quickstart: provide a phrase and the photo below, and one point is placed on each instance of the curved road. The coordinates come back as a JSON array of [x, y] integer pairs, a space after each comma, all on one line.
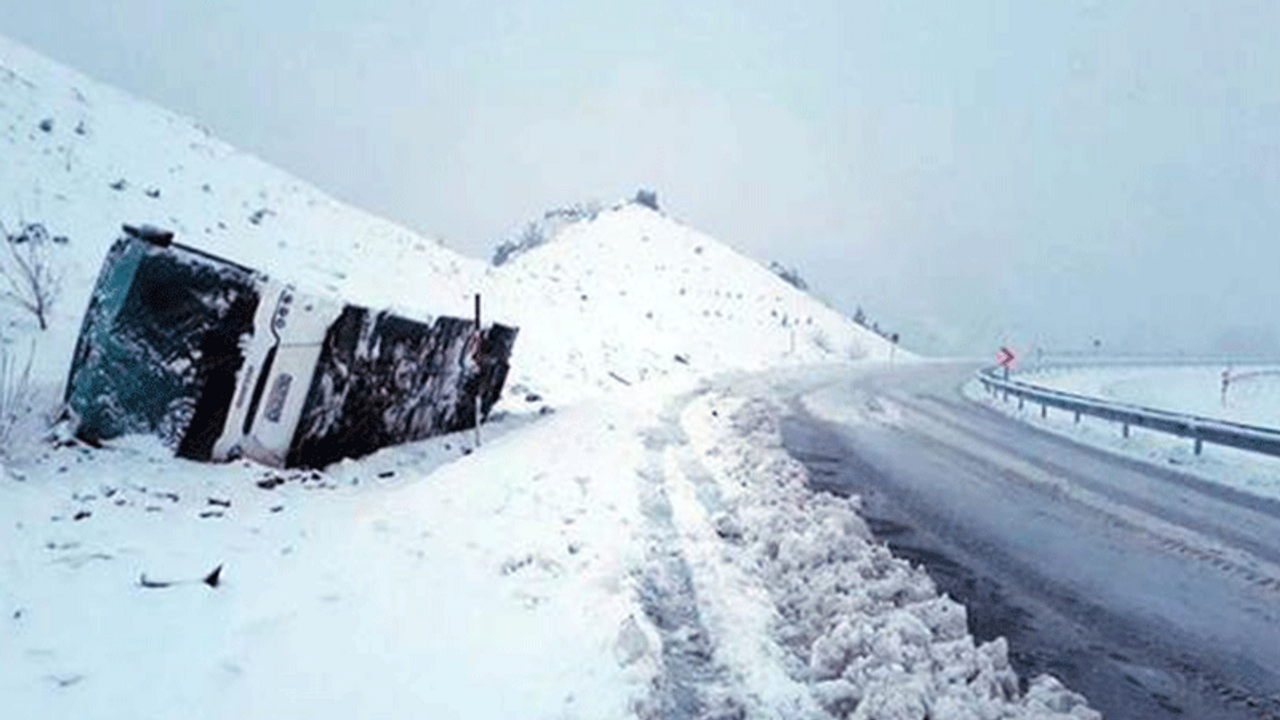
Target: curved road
[[1152, 592]]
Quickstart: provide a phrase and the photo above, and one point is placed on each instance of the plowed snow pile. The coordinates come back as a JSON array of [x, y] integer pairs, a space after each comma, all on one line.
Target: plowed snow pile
[[868, 631], [629, 540]]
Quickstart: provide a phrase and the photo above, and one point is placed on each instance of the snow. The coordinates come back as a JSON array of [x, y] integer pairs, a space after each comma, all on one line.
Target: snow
[[630, 538], [344, 594], [870, 631], [1251, 399], [631, 296]]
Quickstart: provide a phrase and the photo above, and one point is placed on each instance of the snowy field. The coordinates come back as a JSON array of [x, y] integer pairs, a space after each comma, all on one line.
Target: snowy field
[[628, 540], [1252, 397]]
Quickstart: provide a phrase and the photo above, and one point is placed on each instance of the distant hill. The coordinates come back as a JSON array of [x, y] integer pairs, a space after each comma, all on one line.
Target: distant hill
[[634, 295]]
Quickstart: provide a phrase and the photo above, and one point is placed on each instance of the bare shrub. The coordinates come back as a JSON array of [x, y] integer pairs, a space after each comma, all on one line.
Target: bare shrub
[[821, 341], [539, 232], [30, 280], [15, 392], [647, 198], [790, 275]]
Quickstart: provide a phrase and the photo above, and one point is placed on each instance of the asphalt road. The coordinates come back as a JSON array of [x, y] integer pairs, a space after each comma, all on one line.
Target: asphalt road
[[1152, 592]]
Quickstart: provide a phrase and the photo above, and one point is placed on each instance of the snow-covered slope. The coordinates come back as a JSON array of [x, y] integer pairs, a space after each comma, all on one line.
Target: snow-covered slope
[[582, 563], [634, 296], [83, 158]]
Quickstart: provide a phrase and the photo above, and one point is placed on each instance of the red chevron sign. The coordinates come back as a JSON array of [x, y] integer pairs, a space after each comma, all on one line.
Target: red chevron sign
[[1005, 357]]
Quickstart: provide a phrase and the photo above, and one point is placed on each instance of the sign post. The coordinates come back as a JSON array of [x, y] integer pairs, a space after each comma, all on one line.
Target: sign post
[[477, 359], [1005, 358]]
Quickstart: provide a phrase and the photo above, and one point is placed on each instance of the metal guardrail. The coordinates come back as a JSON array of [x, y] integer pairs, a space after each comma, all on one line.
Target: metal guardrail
[[1196, 428]]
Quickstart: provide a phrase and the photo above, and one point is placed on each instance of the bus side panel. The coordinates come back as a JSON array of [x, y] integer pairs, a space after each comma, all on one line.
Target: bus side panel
[[382, 380], [326, 430], [493, 359]]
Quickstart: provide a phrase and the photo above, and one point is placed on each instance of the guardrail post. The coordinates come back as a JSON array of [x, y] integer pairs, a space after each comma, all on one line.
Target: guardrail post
[[1125, 430], [1020, 400], [1077, 417], [1199, 445], [1044, 410]]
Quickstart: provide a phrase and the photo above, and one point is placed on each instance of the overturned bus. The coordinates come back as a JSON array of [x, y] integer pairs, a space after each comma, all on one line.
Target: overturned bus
[[222, 361]]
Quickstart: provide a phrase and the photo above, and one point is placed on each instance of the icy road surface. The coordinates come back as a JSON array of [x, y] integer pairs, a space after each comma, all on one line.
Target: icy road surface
[[1154, 593]]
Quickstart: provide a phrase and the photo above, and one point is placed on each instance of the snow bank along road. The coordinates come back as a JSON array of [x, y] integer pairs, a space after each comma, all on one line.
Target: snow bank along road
[[1152, 592], [771, 600]]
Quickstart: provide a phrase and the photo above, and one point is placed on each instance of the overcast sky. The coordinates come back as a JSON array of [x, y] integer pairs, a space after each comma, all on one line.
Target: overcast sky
[[971, 172]]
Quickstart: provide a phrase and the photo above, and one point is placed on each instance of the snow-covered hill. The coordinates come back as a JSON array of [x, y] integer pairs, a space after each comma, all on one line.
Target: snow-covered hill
[[642, 551], [634, 296]]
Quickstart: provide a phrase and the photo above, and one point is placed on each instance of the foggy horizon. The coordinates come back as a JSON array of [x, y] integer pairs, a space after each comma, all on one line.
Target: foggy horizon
[[971, 175]]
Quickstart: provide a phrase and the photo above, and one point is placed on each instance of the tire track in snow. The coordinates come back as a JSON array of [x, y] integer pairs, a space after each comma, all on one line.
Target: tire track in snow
[[692, 684]]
